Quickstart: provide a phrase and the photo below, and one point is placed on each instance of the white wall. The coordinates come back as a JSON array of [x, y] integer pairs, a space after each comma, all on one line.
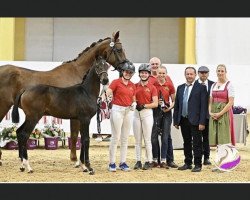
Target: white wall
[[39, 39], [239, 76], [62, 39], [223, 40]]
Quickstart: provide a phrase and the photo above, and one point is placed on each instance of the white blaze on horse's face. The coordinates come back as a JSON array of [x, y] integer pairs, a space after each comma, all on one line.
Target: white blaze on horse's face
[[104, 79], [102, 71]]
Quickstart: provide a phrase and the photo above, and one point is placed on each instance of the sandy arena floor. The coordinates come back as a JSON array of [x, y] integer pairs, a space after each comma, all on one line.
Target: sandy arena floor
[[54, 166]]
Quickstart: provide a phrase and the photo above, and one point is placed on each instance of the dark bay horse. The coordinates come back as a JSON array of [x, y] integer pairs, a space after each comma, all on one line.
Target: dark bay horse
[[14, 79], [74, 102]]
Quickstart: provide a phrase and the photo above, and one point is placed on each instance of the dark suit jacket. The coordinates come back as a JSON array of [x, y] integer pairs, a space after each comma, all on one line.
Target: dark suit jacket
[[210, 83], [197, 104]]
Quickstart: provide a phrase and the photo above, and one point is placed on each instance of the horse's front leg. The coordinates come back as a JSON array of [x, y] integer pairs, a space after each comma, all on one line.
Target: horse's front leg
[[84, 156], [74, 130], [86, 150]]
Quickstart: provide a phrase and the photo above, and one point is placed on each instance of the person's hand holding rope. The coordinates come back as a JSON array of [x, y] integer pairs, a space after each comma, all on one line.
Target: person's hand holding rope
[[140, 107]]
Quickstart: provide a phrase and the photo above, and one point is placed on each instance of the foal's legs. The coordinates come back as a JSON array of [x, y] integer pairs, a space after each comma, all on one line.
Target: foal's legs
[[23, 133], [74, 130], [84, 155]]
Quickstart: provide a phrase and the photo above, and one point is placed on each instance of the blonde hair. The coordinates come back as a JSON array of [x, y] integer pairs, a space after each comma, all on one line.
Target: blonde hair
[[221, 65], [162, 67]]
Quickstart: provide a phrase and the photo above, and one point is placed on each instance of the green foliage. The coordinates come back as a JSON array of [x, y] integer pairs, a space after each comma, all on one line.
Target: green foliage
[[52, 131], [36, 133], [9, 133]]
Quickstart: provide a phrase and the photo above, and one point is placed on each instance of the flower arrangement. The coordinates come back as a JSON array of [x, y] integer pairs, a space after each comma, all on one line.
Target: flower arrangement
[[9, 133], [52, 131], [36, 134]]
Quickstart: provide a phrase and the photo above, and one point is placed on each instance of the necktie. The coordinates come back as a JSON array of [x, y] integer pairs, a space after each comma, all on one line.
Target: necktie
[[185, 101]]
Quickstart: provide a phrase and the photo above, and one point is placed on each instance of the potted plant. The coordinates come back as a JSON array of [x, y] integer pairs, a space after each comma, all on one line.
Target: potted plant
[[33, 140], [8, 137], [51, 134], [78, 143]]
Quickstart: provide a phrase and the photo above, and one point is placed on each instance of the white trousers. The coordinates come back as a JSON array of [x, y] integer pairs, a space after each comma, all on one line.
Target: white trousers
[[121, 122], [142, 128]]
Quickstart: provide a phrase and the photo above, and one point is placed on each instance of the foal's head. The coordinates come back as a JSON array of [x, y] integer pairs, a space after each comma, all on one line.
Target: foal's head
[[101, 68]]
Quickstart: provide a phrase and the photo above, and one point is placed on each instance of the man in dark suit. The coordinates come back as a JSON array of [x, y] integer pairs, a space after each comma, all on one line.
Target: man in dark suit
[[203, 73], [190, 112]]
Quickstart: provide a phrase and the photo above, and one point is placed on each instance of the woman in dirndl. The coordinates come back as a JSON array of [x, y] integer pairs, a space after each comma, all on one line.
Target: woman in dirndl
[[221, 124]]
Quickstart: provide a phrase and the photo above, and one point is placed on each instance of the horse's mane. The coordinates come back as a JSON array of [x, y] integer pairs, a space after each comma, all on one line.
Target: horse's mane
[[92, 45], [85, 76]]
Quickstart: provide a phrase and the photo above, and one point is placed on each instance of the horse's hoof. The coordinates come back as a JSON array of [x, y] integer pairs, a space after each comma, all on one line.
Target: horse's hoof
[[90, 169], [30, 172], [73, 159], [92, 172], [77, 164], [87, 164], [22, 169], [85, 170]]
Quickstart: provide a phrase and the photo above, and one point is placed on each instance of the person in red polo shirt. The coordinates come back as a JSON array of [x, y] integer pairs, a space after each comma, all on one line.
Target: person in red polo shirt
[[123, 103], [146, 99], [163, 120], [154, 64]]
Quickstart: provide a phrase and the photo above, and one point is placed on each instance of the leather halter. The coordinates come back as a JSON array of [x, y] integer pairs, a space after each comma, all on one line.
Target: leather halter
[[115, 51], [103, 70]]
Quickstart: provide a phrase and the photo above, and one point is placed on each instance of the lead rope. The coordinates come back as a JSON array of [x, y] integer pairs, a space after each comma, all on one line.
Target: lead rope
[[99, 111], [99, 100]]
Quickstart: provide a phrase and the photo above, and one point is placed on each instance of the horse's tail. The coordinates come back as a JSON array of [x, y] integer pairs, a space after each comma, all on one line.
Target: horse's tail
[[15, 114]]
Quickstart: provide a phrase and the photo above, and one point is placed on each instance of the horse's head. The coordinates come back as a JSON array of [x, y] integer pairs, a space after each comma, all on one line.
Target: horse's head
[[110, 49], [114, 52], [101, 68]]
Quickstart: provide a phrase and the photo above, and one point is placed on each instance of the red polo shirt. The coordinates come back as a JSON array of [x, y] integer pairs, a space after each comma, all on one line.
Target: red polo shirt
[[166, 89], [122, 94], [153, 79], [144, 94]]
